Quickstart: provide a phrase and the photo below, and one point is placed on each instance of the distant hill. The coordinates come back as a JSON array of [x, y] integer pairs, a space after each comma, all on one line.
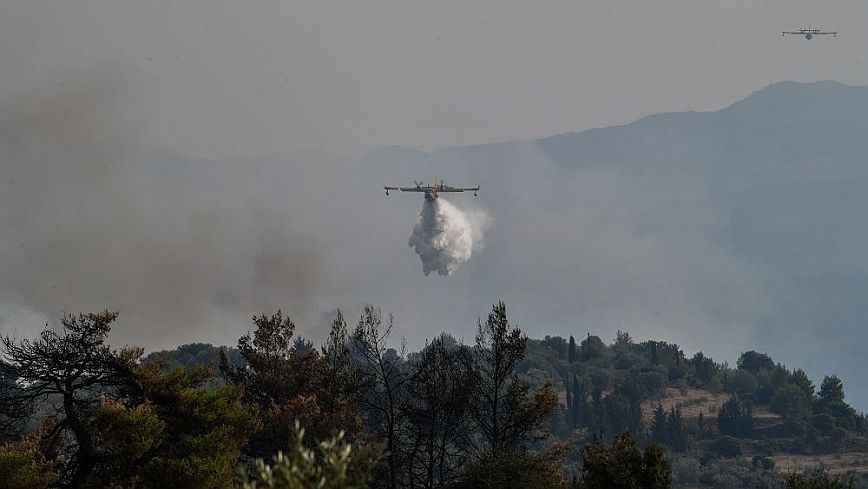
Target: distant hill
[[755, 213], [742, 228]]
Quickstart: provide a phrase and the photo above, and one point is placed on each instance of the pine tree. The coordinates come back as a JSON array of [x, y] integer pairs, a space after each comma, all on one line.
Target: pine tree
[[658, 425]]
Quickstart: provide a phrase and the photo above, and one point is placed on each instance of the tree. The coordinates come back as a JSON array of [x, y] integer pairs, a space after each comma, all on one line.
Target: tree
[[833, 416], [383, 366], [592, 347], [623, 339], [676, 431], [438, 391], [577, 403], [831, 390], [800, 379], [790, 402], [753, 362], [668, 429], [502, 409], [735, 418], [623, 466], [334, 464], [572, 350], [72, 366], [659, 430], [340, 387], [287, 381], [703, 367], [201, 429]]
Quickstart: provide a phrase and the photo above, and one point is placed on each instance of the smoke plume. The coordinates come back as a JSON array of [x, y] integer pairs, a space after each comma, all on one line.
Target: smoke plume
[[445, 237], [87, 224]]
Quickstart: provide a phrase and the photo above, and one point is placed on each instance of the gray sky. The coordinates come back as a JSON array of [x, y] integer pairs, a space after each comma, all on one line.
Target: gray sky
[[220, 78], [189, 248]]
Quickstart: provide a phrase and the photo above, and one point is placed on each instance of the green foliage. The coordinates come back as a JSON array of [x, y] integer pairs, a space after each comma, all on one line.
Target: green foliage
[[800, 379], [623, 466], [334, 464], [64, 369], [592, 348], [125, 437], [743, 384], [726, 446], [703, 368], [204, 429], [735, 418], [669, 429], [176, 433], [754, 362], [193, 355], [817, 480], [23, 466], [515, 470], [831, 390], [154, 424], [790, 402], [285, 380]]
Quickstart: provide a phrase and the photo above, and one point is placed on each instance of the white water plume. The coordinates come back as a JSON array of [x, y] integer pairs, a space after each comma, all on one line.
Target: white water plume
[[445, 236]]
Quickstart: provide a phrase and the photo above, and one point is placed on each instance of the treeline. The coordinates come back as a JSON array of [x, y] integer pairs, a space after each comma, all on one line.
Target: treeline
[[605, 387], [277, 412], [767, 408], [78, 413]]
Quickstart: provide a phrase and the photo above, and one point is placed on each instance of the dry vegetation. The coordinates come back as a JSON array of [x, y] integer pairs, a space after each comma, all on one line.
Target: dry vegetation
[[836, 463], [693, 401]]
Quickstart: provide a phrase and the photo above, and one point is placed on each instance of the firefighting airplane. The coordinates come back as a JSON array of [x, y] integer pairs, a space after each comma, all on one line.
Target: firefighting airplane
[[432, 191], [809, 33]]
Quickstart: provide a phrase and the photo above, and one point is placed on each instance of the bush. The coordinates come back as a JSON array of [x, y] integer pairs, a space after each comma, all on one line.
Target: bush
[[336, 466], [685, 471], [726, 446], [623, 466], [817, 480], [23, 466], [514, 470]]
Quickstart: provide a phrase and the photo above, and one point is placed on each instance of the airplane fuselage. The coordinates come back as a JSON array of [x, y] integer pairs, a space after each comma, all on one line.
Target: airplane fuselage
[[433, 191]]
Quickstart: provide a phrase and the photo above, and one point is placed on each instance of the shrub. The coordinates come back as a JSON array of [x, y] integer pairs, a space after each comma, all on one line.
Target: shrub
[[23, 466], [726, 446], [336, 466]]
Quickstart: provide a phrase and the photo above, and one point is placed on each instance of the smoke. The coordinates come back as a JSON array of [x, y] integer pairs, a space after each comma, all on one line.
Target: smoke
[[89, 222], [444, 237]]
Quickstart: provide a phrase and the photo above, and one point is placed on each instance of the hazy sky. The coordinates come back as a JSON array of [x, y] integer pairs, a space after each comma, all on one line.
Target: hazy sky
[[228, 77], [189, 248]]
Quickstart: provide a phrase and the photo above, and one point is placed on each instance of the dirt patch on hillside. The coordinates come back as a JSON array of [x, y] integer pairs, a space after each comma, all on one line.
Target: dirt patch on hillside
[[691, 401], [836, 463], [695, 401]]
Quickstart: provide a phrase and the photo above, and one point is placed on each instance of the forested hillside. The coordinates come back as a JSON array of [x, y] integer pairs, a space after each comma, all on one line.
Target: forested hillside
[[505, 411], [721, 425]]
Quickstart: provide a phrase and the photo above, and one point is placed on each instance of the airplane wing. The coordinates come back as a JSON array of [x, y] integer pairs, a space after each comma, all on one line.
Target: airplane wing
[[459, 189], [793, 32], [414, 189], [825, 33]]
